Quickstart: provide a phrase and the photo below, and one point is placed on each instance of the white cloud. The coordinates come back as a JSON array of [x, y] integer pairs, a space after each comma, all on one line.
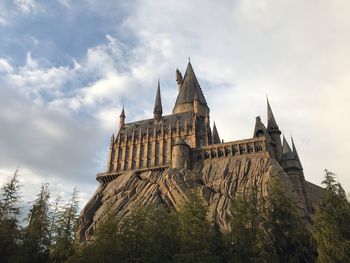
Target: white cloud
[[5, 66], [27, 7], [293, 51]]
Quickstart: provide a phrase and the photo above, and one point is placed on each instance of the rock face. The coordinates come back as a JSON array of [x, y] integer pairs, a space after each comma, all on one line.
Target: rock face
[[218, 181]]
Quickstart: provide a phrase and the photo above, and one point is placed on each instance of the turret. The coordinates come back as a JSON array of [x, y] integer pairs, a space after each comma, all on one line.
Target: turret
[[158, 110], [274, 131], [188, 88], [290, 159], [292, 166], [216, 137], [122, 119], [180, 155]]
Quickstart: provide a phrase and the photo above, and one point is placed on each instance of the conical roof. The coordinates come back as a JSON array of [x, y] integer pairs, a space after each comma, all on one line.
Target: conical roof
[[158, 102], [271, 122], [216, 137], [189, 87], [287, 153]]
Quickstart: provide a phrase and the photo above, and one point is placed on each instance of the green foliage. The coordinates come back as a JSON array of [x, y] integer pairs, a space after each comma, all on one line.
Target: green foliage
[[245, 242], [36, 242], [290, 241], [64, 223], [195, 233], [9, 214], [331, 223]]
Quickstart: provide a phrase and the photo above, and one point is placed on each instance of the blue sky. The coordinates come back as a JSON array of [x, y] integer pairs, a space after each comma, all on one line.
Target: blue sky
[[67, 67]]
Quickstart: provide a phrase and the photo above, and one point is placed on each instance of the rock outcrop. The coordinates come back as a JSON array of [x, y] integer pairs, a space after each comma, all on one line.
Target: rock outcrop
[[218, 182]]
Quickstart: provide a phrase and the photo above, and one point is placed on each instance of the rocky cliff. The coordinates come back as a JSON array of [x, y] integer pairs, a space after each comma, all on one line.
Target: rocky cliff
[[217, 181]]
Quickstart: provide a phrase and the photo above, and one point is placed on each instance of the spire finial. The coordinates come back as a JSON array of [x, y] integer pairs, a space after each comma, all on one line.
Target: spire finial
[[158, 110], [189, 59]]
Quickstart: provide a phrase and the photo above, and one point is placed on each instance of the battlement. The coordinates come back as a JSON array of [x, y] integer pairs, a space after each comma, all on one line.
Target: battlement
[[232, 149]]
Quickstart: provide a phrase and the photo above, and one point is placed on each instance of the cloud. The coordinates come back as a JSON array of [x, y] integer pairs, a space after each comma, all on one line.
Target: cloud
[[58, 110], [27, 7], [5, 66]]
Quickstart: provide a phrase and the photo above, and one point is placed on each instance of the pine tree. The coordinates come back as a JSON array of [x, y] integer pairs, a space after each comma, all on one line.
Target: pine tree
[[290, 240], [65, 228], [331, 227], [37, 241], [9, 214], [246, 240], [195, 235]]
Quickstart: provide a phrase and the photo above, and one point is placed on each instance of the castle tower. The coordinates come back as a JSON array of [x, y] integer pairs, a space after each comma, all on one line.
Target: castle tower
[[122, 119], [216, 137], [188, 88], [180, 156], [292, 166], [274, 131], [158, 110]]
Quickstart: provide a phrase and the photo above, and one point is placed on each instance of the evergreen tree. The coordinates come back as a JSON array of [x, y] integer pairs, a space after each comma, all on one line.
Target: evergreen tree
[[290, 241], [37, 241], [148, 234], [65, 228], [195, 233], [9, 214], [105, 247], [331, 226], [246, 240]]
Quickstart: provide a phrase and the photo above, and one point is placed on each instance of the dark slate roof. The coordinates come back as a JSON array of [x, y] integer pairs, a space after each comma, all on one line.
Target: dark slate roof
[[287, 153], [189, 87], [216, 137], [158, 102], [165, 121], [271, 122]]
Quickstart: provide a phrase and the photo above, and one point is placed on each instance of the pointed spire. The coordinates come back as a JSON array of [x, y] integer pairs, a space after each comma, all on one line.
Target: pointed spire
[[189, 86], [271, 122], [286, 148], [216, 138], [158, 109], [123, 113], [122, 119], [296, 155]]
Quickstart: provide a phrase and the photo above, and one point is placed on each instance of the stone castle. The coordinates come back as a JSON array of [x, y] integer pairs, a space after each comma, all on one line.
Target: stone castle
[[166, 145]]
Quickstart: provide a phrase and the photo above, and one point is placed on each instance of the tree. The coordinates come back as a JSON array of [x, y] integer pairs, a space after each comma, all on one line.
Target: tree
[[195, 232], [246, 240], [9, 214], [290, 240], [331, 227], [37, 241], [64, 229]]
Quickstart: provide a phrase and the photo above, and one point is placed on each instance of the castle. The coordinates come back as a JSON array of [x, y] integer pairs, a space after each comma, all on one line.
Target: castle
[[185, 137], [156, 161]]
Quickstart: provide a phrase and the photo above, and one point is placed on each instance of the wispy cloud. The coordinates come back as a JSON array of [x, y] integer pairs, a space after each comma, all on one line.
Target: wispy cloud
[[62, 94]]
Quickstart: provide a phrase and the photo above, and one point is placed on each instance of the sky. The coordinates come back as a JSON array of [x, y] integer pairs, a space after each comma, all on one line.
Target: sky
[[67, 68]]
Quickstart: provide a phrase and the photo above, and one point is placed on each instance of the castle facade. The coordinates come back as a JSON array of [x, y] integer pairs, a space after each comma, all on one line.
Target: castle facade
[[185, 138]]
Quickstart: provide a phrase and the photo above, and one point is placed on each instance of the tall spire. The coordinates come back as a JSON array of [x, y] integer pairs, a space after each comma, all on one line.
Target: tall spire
[[286, 148], [296, 155], [122, 119], [216, 138], [271, 122], [188, 87], [158, 109]]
